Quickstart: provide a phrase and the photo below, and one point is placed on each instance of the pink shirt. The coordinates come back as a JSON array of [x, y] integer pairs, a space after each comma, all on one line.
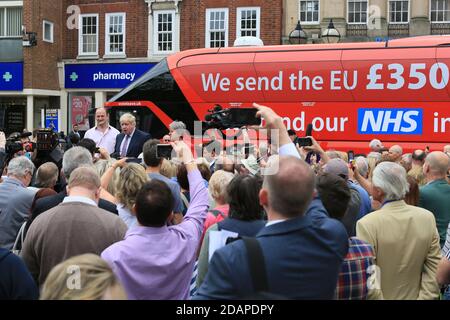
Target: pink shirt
[[106, 140], [211, 219]]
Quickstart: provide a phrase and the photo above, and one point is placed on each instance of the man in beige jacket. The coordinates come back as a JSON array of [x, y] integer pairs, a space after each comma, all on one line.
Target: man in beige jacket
[[404, 238]]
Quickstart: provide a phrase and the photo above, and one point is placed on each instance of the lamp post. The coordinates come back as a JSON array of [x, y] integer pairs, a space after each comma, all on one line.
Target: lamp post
[[298, 36], [331, 34]]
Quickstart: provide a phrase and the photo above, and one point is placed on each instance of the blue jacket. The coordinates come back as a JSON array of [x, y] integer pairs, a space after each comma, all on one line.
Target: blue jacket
[[135, 145], [303, 257], [16, 282]]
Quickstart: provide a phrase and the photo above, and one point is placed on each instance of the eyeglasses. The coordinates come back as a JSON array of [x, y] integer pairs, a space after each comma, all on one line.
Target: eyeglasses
[[166, 140]]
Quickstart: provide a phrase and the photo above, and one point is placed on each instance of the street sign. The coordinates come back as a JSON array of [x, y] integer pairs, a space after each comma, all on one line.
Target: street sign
[[52, 119]]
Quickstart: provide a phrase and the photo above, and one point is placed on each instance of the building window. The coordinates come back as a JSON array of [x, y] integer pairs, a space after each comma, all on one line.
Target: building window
[[309, 11], [10, 22], [216, 28], [115, 33], [357, 11], [248, 22], [88, 35], [398, 11], [47, 31], [439, 11], [164, 31]]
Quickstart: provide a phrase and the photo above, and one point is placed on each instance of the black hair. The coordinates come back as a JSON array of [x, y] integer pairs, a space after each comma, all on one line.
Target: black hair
[[182, 176], [243, 198], [154, 204], [334, 194], [150, 153], [89, 144]]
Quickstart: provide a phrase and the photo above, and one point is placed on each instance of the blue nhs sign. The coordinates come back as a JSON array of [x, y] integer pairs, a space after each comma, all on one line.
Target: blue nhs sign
[[390, 121]]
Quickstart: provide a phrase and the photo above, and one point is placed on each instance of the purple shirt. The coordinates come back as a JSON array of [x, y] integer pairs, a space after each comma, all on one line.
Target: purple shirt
[[157, 263], [105, 140]]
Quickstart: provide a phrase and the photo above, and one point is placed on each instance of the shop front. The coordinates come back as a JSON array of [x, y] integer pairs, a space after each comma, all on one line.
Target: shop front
[[13, 105], [90, 85]]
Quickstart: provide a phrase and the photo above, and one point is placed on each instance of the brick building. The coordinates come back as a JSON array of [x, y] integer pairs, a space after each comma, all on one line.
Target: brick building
[[367, 20], [219, 22], [81, 53]]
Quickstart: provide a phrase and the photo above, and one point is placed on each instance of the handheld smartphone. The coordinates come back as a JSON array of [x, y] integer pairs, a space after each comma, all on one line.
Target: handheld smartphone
[[133, 160], [351, 156], [246, 116], [164, 151], [304, 142]]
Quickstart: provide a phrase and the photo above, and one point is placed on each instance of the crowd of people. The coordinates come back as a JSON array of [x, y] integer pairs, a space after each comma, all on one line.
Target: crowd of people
[[272, 220]]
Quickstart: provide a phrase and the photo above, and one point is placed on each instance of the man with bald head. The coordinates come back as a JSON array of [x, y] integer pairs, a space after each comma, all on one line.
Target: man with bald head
[[418, 159], [103, 134], [435, 195], [74, 227], [46, 175], [301, 253], [395, 153]]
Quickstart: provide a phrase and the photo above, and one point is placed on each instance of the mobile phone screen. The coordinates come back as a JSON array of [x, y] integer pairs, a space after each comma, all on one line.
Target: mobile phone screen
[[351, 156], [304, 142], [164, 151], [245, 116]]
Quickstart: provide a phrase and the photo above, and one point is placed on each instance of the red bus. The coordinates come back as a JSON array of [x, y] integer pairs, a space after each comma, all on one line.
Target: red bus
[[396, 91]]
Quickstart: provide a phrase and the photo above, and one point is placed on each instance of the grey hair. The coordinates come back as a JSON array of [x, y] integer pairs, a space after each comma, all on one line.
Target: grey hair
[[363, 166], [391, 178], [20, 166], [128, 117], [75, 157], [333, 154], [176, 125]]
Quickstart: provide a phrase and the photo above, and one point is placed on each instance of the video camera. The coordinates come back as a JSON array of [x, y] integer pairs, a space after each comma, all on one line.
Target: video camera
[[14, 144], [223, 119]]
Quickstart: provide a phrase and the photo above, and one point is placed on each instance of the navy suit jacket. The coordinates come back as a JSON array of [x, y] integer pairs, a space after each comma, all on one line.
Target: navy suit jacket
[[303, 258], [136, 143]]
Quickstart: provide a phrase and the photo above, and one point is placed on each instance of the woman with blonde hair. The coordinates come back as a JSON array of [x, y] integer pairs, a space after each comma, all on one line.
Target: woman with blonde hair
[[132, 177], [83, 277], [102, 166], [168, 169]]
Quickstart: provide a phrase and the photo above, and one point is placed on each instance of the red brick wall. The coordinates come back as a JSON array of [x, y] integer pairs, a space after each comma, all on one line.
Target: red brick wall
[[40, 62], [136, 26], [193, 18]]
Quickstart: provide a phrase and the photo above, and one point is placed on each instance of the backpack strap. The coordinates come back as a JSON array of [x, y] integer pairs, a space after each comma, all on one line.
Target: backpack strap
[[20, 238], [217, 212], [184, 199], [256, 264]]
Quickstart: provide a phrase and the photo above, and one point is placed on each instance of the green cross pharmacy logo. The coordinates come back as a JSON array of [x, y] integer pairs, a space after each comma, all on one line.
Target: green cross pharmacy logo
[[74, 76], [7, 76]]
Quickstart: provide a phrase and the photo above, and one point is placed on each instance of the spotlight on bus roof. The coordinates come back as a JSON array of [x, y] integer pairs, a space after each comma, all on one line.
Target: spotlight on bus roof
[[248, 42]]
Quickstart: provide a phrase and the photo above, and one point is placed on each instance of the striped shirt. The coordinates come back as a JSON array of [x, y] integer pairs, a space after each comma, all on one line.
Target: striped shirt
[[446, 247]]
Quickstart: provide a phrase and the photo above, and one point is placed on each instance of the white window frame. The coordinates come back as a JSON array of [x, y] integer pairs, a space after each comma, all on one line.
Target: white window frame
[[208, 31], [5, 6], [107, 34], [300, 13], [239, 18], [80, 35], [155, 31], [51, 24], [367, 12], [389, 12], [443, 21]]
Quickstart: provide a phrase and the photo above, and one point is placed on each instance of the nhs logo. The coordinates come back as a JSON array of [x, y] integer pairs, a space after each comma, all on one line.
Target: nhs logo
[[390, 121]]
